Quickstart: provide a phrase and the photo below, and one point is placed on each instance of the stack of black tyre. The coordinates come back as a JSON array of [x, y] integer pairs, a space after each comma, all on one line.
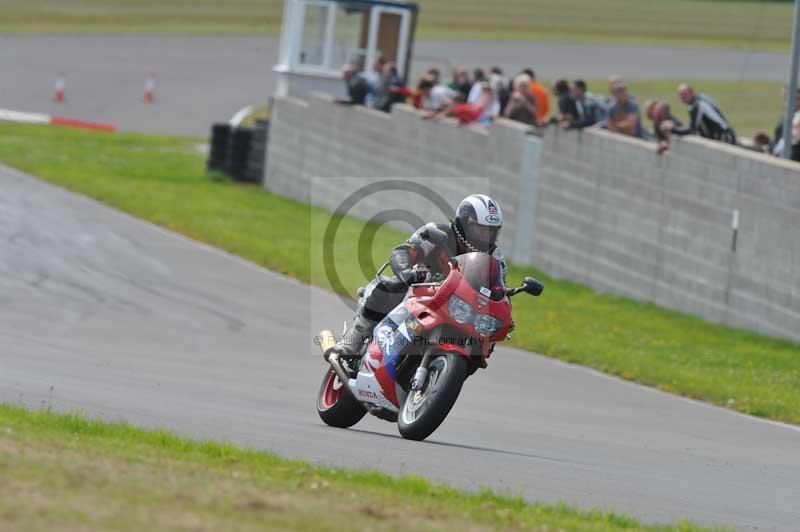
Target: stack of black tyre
[[258, 153], [239, 152], [218, 152]]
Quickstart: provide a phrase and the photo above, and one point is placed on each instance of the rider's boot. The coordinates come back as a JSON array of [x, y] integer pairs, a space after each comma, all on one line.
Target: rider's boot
[[349, 347]]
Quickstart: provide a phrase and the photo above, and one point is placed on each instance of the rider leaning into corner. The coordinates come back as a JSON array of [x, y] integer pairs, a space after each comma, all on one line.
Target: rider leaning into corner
[[475, 228]]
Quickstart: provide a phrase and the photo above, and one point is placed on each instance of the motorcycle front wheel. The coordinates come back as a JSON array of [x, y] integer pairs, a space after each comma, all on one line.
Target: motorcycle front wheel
[[424, 410], [336, 406]]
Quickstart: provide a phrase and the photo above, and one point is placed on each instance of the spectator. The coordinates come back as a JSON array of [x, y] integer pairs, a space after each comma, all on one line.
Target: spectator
[[500, 86], [489, 104], [476, 95], [623, 114], [540, 94], [357, 86], [388, 91], [417, 96], [374, 73], [777, 147], [795, 152], [478, 77], [614, 79], [428, 95], [567, 110], [483, 111], [589, 111], [441, 95], [521, 104], [609, 100], [796, 136], [665, 124], [761, 142], [705, 118], [461, 83], [650, 114]]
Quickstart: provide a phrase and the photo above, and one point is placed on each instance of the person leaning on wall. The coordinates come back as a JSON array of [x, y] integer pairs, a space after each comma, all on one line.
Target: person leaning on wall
[[705, 117]]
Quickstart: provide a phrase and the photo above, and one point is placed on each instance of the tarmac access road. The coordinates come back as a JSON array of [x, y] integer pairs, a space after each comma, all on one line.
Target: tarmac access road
[[202, 80]]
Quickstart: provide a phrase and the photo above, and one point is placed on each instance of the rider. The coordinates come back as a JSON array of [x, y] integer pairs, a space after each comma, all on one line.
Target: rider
[[475, 228]]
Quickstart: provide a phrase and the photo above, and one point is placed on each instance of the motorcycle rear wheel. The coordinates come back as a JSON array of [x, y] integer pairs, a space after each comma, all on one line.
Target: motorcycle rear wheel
[[336, 406], [423, 411]]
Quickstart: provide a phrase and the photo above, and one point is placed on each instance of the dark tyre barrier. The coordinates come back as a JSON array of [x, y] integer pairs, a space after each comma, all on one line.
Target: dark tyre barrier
[[218, 152], [239, 153], [258, 150]]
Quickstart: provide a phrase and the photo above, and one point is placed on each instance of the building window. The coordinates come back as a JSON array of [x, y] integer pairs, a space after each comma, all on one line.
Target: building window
[[349, 35], [312, 45]]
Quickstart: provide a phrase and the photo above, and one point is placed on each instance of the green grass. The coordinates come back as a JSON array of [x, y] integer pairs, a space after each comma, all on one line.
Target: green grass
[[754, 24], [201, 17], [162, 179], [741, 24], [751, 106], [65, 472]]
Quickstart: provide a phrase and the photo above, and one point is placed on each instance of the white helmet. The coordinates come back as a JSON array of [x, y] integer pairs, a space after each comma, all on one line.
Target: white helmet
[[478, 222]]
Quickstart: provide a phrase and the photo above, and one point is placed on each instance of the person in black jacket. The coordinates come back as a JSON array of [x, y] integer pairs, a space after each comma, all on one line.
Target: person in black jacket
[[388, 91], [567, 108], [357, 86], [587, 106], [705, 118]]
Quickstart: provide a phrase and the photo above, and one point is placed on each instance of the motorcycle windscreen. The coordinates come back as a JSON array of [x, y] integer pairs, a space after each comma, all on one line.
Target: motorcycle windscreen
[[484, 274]]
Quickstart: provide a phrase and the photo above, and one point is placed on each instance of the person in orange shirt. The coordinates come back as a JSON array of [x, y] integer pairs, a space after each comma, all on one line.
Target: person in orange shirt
[[541, 96]]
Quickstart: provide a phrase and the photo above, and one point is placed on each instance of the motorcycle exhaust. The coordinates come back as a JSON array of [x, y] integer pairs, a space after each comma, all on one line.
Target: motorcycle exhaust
[[327, 341], [333, 360]]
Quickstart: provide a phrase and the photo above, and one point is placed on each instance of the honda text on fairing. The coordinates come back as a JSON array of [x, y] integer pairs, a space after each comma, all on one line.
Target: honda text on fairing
[[422, 351]]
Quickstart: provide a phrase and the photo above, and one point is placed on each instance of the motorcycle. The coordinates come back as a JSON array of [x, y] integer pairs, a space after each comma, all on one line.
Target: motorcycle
[[422, 351]]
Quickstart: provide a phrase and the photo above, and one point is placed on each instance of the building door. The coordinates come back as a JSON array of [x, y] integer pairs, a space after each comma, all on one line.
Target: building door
[[389, 36]]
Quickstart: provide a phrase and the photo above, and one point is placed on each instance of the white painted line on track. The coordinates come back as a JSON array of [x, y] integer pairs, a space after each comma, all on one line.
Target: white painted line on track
[[27, 118]]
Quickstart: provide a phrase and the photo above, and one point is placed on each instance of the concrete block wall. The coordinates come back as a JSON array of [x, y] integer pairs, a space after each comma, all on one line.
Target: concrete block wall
[[608, 211], [321, 152], [616, 216]]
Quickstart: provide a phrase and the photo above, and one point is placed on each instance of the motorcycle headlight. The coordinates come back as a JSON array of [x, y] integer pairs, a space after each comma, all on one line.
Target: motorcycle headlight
[[487, 325], [460, 310]]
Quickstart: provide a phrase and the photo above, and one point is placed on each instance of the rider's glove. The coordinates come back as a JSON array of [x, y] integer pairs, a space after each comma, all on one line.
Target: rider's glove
[[413, 275]]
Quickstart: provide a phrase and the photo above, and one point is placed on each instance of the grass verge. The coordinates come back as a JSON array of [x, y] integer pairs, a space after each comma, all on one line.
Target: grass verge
[[162, 180], [65, 472], [749, 24]]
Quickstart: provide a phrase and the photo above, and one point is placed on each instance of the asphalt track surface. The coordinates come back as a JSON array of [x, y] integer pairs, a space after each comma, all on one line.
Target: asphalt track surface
[[201, 80], [120, 319]]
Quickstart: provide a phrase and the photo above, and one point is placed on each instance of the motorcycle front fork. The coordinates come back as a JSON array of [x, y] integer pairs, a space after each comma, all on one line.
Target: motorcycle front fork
[[421, 375]]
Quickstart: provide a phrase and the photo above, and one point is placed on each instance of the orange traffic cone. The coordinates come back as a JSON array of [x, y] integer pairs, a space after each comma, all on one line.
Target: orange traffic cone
[[58, 91], [149, 88]]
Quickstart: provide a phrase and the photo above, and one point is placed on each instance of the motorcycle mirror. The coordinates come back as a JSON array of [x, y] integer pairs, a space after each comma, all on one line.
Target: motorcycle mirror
[[532, 286], [431, 233]]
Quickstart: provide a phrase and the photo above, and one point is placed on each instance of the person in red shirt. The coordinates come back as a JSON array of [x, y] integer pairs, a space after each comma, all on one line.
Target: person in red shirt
[[417, 96], [469, 113]]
